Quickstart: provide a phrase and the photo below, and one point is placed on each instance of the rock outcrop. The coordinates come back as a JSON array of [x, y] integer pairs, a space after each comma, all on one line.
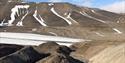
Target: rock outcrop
[[49, 52]]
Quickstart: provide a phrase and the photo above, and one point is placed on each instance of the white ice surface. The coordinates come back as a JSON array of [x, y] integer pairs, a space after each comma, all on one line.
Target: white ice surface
[[34, 39], [26, 42], [19, 41]]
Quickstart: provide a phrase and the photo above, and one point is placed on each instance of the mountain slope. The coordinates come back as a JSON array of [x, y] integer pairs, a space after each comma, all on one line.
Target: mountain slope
[[54, 14], [61, 19]]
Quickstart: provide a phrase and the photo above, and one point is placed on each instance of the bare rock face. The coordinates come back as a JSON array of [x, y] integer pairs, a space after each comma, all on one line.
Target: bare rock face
[[53, 48], [8, 49], [25, 55], [47, 48], [49, 52], [59, 53], [59, 58], [54, 59]]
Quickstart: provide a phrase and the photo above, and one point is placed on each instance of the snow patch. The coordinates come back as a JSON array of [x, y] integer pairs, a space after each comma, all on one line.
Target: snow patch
[[65, 13], [93, 11], [119, 32], [20, 23], [118, 21], [34, 29], [53, 10], [9, 0], [85, 14], [51, 4], [41, 21], [69, 17], [2, 23], [15, 11], [53, 33], [99, 34]]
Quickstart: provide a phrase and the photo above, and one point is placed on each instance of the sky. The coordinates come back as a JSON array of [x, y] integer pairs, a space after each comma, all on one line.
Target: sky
[[117, 6]]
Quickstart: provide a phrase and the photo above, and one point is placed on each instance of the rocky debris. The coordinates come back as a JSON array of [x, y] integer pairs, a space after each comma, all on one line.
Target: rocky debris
[[8, 49], [49, 52], [79, 50], [59, 58], [47, 48], [53, 48], [59, 53], [25, 55]]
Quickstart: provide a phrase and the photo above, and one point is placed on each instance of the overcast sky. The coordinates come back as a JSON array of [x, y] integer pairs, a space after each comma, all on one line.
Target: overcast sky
[[110, 5]]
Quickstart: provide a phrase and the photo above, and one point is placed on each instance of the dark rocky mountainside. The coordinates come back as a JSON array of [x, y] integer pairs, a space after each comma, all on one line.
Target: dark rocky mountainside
[[46, 53]]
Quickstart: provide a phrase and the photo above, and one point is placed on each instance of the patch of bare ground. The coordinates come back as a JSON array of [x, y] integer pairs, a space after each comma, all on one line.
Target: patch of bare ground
[[100, 51]]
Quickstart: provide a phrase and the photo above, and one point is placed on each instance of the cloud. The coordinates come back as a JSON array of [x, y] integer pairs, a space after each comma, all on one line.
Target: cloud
[[55, 0], [77, 2], [118, 7], [83, 2]]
